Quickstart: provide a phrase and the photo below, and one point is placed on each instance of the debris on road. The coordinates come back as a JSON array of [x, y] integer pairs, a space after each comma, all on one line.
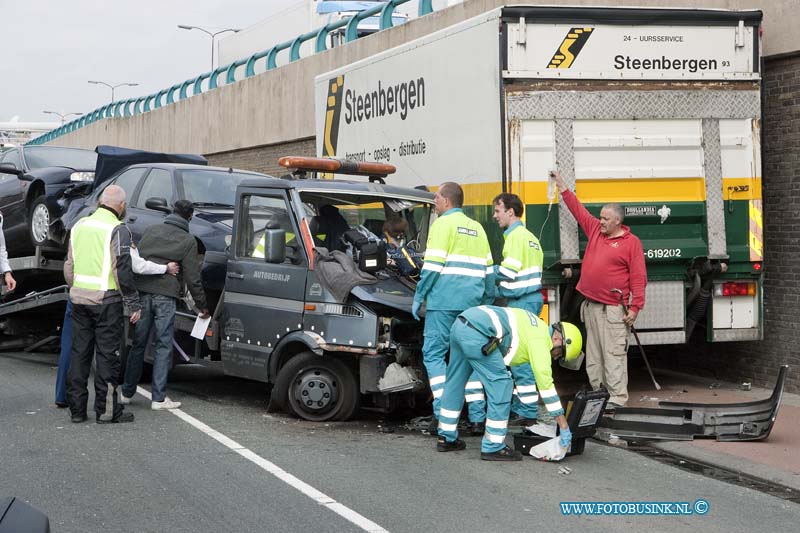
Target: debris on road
[[738, 421]]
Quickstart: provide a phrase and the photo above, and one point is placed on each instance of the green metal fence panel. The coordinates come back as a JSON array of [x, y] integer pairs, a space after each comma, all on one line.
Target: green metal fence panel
[[425, 7], [160, 94], [386, 16]]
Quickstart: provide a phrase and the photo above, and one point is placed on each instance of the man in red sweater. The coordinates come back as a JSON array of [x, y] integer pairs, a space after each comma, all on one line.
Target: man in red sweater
[[613, 260]]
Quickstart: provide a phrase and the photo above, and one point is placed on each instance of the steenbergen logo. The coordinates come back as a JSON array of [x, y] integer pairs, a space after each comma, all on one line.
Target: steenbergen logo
[[384, 100], [333, 111], [570, 47]]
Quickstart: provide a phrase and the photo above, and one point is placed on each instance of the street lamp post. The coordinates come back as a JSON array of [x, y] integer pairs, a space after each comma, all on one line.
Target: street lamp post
[[112, 87], [210, 34], [62, 116]]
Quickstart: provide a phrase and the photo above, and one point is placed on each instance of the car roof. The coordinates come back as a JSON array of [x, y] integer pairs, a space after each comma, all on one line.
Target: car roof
[[39, 147], [339, 185], [188, 166], [259, 180]]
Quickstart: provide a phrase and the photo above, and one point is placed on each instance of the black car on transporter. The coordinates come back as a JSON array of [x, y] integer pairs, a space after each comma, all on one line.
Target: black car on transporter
[[152, 188], [32, 179]]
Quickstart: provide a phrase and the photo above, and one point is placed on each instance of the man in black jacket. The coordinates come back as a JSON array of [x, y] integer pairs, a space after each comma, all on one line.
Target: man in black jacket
[[163, 243]]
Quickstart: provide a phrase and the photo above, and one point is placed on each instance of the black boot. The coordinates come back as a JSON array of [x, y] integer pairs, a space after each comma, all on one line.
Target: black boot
[[77, 419], [506, 454], [477, 429], [124, 417], [443, 445], [433, 427], [516, 420]]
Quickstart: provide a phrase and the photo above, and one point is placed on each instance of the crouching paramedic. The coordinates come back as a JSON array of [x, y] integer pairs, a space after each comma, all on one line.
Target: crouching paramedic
[[487, 339]]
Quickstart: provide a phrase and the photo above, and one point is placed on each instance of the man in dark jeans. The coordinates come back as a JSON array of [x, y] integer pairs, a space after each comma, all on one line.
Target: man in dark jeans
[[163, 243]]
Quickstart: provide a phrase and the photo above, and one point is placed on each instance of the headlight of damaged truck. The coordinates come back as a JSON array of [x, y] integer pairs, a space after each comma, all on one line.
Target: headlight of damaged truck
[[81, 176]]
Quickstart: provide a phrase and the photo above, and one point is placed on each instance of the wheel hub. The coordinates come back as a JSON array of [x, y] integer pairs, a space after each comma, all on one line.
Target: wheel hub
[[40, 221], [316, 391]]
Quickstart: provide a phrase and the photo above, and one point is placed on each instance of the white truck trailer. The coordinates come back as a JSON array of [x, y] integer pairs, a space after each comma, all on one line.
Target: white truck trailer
[[656, 109]]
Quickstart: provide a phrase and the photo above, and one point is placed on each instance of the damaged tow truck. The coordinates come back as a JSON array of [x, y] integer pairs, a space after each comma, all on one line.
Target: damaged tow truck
[[310, 280], [311, 306]]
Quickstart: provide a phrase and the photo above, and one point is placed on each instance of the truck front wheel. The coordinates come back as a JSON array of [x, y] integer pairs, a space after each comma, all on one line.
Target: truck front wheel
[[317, 388]]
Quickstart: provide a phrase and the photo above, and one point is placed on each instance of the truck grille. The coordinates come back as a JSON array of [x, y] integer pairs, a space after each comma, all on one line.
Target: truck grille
[[344, 310]]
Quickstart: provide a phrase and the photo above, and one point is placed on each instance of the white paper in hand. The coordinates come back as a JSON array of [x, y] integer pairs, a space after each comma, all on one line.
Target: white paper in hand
[[200, 327]]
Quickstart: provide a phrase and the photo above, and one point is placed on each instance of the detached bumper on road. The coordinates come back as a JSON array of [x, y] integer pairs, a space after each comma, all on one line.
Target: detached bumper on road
[[685, 421]]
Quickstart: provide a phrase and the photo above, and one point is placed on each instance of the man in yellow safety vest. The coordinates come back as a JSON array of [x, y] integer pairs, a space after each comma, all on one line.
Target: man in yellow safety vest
[[98, 271]]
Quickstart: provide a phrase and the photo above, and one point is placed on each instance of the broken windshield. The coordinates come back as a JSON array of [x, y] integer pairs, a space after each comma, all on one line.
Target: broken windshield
[[380, 217]]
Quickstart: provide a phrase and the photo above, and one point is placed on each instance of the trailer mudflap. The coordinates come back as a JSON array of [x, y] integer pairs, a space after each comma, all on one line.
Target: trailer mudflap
[[745, 421]]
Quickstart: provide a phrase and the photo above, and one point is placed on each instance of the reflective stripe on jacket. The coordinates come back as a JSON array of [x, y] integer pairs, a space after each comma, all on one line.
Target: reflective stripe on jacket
[[457, 272], [520, 273]]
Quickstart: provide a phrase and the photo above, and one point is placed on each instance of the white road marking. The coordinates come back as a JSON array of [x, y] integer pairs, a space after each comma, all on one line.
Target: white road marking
[[319, 497]]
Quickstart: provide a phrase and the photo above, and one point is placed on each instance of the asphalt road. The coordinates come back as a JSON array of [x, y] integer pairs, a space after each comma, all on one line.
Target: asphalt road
[[224, 464]]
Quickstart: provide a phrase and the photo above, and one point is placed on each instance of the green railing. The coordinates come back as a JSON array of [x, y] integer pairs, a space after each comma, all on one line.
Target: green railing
[[236, 71]]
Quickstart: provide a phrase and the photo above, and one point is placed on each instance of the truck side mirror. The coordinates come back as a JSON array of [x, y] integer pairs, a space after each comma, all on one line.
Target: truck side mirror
[[157, 204], [274, 245]]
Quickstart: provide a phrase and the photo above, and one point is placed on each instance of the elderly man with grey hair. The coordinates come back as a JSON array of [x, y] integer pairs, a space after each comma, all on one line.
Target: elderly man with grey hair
[[99, 272], [613, 281]]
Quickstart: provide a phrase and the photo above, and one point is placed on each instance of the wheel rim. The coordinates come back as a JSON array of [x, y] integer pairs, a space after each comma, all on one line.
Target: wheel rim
[[315, 392], [40, 222]]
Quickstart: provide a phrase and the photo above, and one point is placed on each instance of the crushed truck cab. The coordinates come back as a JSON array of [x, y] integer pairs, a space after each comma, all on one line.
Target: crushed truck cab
[[311, 304]]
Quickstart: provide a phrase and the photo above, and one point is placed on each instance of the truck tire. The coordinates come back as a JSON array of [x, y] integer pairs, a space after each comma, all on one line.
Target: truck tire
[[316, 388]]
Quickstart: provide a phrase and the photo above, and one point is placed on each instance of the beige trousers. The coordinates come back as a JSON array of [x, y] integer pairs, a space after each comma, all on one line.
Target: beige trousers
[[607, 349]]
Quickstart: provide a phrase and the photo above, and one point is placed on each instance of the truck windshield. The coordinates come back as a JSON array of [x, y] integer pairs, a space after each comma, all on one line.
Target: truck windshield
[[211, 188], [384, 217]]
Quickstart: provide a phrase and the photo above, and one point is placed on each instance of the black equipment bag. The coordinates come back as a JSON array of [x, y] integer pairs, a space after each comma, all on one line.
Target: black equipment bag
[[584, 413], [370, 255]]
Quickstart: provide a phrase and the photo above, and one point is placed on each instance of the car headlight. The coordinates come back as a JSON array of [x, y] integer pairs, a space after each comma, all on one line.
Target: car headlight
[[81, 176]]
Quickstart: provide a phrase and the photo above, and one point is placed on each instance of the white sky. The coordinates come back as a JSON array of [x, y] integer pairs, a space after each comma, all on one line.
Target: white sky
[[49, 49]]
